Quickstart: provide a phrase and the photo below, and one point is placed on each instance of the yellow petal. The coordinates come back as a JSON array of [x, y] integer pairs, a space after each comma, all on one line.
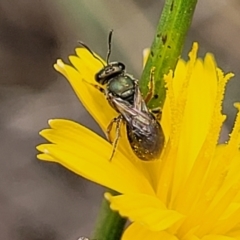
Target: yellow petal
[[137, 231], [45, 157], [229, 221], [91, 64], [81, 79], [145, 209], [146, 52], [217, 237], [235, 233], [189, 191], [202, 90], [198, 112], [210, 237], [87, 154], [177, 97], [191, 237]]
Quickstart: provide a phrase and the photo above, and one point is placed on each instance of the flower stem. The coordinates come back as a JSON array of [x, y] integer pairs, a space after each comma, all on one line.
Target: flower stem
[[110, 224], [166, 48]]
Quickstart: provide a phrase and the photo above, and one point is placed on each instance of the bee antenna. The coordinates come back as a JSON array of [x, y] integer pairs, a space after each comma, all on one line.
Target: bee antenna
[[93, 54], [109, 45]]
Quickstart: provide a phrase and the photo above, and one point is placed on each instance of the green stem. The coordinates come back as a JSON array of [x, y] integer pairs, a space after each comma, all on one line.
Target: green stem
[[167, 46], [110, 224]]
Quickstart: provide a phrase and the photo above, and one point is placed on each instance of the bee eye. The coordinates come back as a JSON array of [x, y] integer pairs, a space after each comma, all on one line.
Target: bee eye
[[109, 70], [121, 66]]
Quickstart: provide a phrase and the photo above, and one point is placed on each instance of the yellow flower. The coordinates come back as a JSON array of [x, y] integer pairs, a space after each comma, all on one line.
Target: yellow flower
[[193, 191]]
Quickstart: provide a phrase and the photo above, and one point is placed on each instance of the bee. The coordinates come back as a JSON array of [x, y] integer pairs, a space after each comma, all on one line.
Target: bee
[[122, 91]]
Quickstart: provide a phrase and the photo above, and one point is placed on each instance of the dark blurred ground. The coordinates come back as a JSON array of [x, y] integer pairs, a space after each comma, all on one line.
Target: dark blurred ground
[[43, 201]]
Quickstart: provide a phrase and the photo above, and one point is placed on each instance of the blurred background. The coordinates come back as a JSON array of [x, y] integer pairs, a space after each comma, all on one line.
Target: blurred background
[[44, 201]]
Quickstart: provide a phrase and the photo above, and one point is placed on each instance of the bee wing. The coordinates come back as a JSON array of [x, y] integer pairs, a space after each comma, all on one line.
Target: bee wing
[[124, 107], [139, 103], [131, 114]]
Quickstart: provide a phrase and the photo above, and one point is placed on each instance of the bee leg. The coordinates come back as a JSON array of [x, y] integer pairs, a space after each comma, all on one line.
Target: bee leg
[[150, 93], [98, 88], [109, 129], [157, 112], [102, 90], [118, 121]]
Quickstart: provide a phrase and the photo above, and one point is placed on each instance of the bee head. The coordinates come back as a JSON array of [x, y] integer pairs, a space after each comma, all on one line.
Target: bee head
[[110, 71]]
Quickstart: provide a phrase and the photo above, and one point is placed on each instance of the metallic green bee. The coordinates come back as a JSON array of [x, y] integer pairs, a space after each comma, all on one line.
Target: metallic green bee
[[122, 91]]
